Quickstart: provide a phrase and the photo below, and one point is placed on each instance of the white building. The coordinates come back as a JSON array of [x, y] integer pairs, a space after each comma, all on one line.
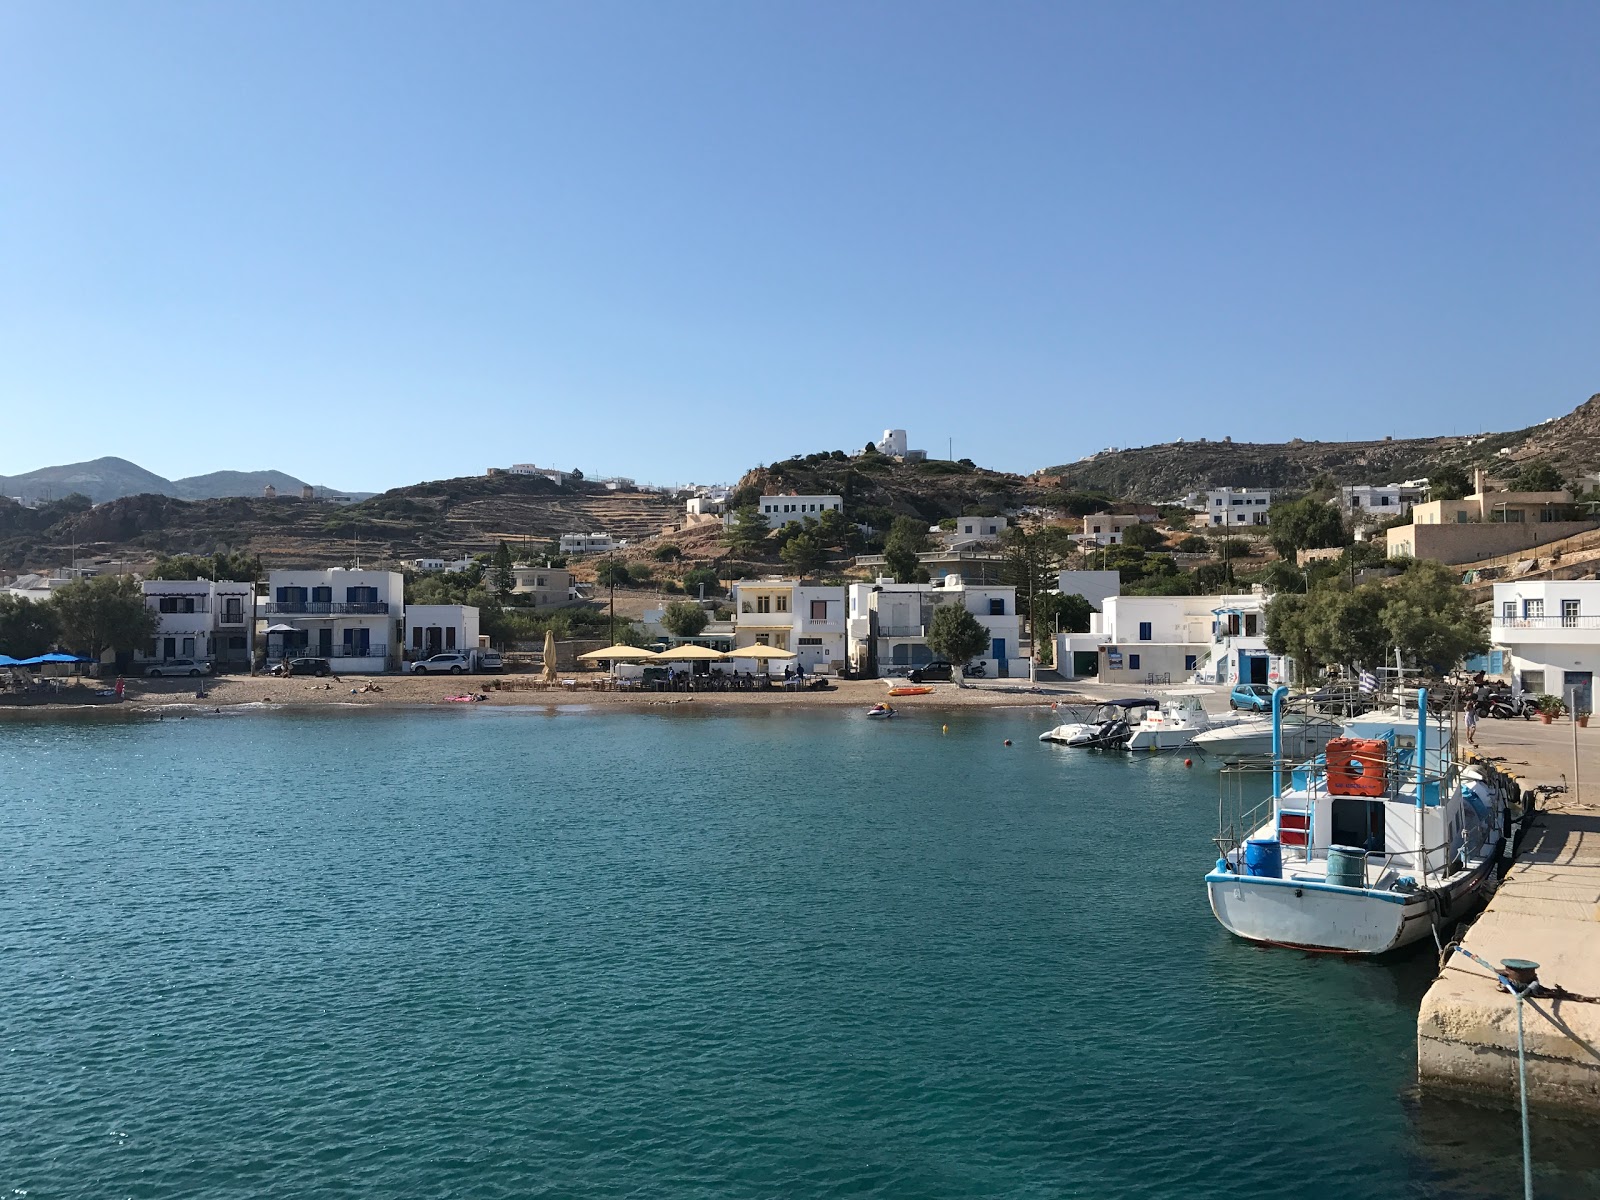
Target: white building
[[1157, 640], [1551, 631], [1232, 507], [888, 622], [435, 628], [972, 531], [208, 621], [354, 618], [1107, 529], [704, 506], [781, 510], [36, 587], [893, 442], [589, 543], [1365, 502], [789, 615], [550, 473], [426, 564]]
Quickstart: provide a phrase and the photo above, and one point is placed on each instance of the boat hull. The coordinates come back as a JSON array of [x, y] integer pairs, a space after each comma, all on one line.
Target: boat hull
[[1314, 915]]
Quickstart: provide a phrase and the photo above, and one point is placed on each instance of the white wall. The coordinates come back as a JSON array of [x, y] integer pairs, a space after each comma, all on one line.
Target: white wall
[[781, 510]]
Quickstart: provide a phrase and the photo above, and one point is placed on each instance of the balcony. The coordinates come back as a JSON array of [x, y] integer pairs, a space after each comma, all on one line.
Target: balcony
[[886, 630], [1556, 622], [1576, 630], [325, 608], [275, 651]]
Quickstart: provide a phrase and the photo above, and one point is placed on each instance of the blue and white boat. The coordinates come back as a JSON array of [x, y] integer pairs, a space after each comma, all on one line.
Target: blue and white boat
[[1381, 840]]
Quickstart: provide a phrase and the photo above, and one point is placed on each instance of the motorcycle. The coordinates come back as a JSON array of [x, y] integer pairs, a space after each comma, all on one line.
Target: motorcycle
[[974, 670]]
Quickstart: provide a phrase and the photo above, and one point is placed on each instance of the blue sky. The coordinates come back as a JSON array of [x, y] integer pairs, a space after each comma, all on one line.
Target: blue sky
[[372, 244]]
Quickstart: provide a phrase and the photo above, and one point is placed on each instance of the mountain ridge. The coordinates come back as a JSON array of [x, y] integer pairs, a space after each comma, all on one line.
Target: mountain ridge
[[111, 478]]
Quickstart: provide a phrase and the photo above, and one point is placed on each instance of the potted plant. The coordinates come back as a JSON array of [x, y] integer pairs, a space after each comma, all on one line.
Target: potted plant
[[1550, 707]]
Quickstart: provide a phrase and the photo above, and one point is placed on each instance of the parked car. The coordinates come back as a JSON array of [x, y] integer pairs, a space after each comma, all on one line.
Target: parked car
[[178, 666], [309, 666], [934, 672], [450, 662], [1251, 697], [488, 660]]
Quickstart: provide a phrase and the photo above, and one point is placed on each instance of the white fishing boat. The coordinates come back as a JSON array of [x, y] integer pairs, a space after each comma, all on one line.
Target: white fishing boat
[[1304, 736], [1106, 728], [1383, 839], [1180, 718]]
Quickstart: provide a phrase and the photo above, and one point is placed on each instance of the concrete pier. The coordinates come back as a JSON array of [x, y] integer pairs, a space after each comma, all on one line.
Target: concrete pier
[[1548, 910]]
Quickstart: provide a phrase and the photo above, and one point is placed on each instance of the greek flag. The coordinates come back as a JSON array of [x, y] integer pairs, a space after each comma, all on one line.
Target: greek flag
[[1369, 683]]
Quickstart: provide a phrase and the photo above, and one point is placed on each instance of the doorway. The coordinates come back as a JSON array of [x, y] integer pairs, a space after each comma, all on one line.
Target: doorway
[[1358, 822]]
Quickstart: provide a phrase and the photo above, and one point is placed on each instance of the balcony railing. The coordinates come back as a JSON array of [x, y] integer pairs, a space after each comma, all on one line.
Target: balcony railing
[[915, 631], [276, 651], [326, 608], [1555, 622]]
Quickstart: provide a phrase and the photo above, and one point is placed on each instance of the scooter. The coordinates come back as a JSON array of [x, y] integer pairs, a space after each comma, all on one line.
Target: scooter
[[975, 670]]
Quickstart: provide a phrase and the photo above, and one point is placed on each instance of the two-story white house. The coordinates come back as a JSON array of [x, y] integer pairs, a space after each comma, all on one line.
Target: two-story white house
[[789, 615], [589, 543], [1229, 508], [971, 532], [888, 622], [1144, 640], [1551, 632], [1365, 503], [207, 621], [782, 510], [1107, 529], [354, 618]]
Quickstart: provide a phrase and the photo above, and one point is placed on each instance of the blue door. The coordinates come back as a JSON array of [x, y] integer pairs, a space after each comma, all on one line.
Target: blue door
[[998, 652]]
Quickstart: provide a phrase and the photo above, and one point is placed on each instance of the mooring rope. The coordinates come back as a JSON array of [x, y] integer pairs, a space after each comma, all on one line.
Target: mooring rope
[[1522, 1065]]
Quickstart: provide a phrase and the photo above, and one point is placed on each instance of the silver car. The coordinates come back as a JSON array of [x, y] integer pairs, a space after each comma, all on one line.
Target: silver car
[[178, 666]]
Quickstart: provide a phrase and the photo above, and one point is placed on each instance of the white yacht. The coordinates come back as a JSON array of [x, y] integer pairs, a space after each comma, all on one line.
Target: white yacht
[[1107, 728], [1378, 842], [1304, 736], [1179, 720]]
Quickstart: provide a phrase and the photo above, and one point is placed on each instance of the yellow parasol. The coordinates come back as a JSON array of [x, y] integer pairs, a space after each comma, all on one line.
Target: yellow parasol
[[761, 652], [550, 655], [618, 654], [688, 652]]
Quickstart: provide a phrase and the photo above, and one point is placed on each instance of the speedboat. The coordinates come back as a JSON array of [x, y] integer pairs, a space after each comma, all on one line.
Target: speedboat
[[1376, 843], [1304, 735], [1180, 718], [1107, 729]]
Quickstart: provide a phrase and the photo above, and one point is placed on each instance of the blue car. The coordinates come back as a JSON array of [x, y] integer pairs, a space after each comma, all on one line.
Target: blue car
[[1251, 697]]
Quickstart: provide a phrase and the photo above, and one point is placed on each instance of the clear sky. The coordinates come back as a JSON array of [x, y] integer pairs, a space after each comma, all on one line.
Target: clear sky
[[375, 243]]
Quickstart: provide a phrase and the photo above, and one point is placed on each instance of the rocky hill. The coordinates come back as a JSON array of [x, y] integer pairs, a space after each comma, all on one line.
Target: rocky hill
[[1167, 471], [468, 516], [104, 479]]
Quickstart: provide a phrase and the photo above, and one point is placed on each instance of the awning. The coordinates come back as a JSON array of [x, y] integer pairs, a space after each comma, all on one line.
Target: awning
[[282, 629]]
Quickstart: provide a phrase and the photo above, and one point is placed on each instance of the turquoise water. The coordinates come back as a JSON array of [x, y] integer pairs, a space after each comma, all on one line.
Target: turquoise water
[[501, 953]]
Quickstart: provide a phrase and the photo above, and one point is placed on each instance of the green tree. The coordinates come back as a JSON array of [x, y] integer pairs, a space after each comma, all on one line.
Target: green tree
[[1026, 562], [611, 573], [105, 612], [239, 567], [27, 627], [956, 634], [803, 555], [1193, 544], [747, 529], [1429, 615], [1537, 475], [1146, 537], [502, 574], [1448, 483], [1305, 524], [907, 540], [1072, 610], [667, 552], [702, 577], [683, 619]]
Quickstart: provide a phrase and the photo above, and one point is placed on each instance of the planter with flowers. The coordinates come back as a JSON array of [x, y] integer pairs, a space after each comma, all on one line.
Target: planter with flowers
[[1550, 707]]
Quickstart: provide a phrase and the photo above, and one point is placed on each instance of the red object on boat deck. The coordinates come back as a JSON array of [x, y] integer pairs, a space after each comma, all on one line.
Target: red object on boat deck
[[1358, 766], [1294, 828]]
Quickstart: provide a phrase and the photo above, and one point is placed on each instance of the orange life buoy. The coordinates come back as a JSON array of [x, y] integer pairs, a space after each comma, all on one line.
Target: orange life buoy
[[1358, 766]]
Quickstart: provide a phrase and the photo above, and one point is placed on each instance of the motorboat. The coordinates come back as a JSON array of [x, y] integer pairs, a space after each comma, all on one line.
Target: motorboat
[[1107, 728], [1176, 722], [1381, 840], [1304, 736], [881, 711]]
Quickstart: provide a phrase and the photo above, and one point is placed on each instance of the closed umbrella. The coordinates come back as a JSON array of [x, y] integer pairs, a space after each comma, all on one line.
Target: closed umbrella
[[550, 655]]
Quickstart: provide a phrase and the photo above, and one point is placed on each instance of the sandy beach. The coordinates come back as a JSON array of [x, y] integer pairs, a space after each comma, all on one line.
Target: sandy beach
[[412, 692]]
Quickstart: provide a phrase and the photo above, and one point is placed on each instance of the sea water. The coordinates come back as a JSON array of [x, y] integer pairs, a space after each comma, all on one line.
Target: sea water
[[648, 953]]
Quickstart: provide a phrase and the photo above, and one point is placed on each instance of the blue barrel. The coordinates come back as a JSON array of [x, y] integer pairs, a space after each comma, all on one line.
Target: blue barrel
[[1263, 857], [1347, 866]]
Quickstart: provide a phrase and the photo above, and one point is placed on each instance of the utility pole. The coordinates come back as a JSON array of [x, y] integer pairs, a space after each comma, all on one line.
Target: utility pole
[[611, 565]]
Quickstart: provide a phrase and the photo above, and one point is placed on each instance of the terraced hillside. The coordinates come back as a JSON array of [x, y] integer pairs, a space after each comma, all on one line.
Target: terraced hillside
[[467, 516]]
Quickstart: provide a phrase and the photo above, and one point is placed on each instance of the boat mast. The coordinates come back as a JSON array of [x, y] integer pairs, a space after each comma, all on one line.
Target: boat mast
[[1422, 778]]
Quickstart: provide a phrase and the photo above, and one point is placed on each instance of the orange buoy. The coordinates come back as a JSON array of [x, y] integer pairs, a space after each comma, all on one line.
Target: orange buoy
[[1008, 741], [1188, 762]]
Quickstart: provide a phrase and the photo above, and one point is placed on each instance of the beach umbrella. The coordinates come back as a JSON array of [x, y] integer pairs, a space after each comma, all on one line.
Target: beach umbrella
[[617, 654], [7, 661], [280, 628], [550, 655], [690, 653], [55, 656], [761, 652]]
